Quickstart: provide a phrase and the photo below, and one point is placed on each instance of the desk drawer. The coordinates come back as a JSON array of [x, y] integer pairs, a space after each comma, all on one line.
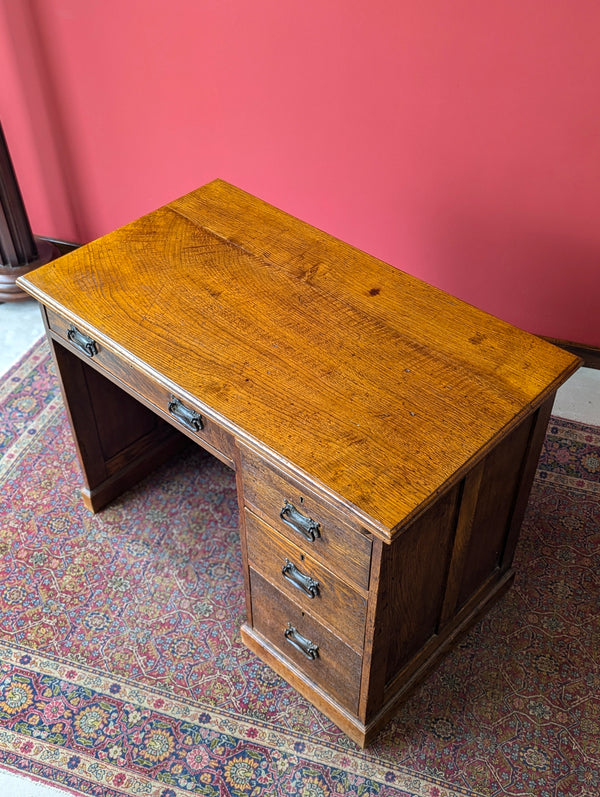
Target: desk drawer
[[313, 587], [182, 415], [307, 520], [328, 662]]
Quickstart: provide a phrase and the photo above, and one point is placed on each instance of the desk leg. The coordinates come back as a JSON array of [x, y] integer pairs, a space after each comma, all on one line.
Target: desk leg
[[119, 441]]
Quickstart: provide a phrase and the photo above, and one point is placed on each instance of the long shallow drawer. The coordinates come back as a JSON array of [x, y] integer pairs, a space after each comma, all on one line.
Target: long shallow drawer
[[182, 415], [306, 582], [313, 649], [307, 520]]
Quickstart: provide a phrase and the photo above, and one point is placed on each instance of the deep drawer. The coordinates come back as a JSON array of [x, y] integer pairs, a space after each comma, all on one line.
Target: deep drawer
[[307, 520], [307, 583], [182, 415], [333, 665]]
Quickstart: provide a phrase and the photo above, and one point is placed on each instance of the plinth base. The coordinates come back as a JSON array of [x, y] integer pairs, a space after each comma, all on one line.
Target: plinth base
[[9, 290]]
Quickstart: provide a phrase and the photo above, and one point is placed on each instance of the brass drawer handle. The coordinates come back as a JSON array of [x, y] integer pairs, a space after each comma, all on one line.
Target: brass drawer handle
[[300, 580], [187, 417], [301, 643], [306, 526], [82, 342]]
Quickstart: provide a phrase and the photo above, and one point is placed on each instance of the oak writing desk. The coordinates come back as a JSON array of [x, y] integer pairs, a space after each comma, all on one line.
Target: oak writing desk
[[384, 434]]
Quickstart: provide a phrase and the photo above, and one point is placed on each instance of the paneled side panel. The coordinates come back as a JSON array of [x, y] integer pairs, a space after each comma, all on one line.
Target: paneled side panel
[[493, 513], [118, 440], [414, 573], [125, 422]]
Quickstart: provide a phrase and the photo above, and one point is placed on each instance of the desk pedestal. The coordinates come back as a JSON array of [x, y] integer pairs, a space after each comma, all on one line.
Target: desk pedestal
[[381, 615]]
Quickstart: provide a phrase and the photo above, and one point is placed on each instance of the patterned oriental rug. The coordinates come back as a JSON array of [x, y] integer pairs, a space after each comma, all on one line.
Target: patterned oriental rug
[[123, 672]]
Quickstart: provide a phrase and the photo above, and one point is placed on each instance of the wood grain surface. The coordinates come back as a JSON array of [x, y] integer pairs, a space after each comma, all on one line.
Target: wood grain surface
[[371, 384]]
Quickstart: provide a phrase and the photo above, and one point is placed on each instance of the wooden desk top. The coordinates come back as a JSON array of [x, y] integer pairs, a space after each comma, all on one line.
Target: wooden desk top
[[375, 386]]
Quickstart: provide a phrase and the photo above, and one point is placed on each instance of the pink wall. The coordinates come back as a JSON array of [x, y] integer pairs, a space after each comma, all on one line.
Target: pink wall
[[458, 140]]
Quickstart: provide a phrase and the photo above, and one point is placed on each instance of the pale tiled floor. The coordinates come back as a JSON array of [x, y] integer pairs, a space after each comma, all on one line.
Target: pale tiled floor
[[21, 325], [18, 786], [579, 398]]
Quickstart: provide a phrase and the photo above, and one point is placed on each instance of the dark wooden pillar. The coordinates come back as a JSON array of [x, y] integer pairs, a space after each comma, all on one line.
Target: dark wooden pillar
[[20, 250]]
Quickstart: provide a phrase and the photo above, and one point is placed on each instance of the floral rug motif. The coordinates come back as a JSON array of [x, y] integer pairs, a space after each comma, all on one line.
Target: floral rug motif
[[122, 671]]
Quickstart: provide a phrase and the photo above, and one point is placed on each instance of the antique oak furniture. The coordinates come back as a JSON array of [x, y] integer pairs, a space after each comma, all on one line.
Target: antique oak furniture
[[384, 434]]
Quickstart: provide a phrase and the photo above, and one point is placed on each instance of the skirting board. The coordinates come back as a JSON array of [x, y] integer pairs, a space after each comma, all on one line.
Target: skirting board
[[64, 247], [589, 354]]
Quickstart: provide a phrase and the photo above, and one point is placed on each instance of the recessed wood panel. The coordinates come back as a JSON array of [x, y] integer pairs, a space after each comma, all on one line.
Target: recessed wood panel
[[495, 503], [413, 581]]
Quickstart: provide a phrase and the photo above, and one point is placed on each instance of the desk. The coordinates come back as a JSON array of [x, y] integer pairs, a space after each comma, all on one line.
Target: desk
[[384, 434]]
